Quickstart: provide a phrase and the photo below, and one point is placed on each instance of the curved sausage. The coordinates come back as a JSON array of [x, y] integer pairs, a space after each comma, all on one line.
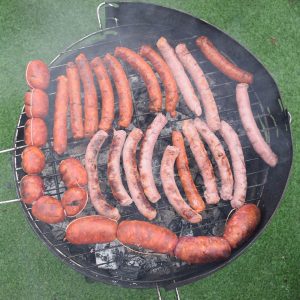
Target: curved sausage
[[147, 235], [238, 164], [207, 97], [147, 74], [123, 90], [35, 132], [146, 153], [170, 187], [107, 94], [180, 76], [91, 157], [185, 175], [31, 188], [37, 75], [254, 135], [190, 132], [74, 201], [132, 174], [33, 160], [222, 63], [36, 104], [220, 157]]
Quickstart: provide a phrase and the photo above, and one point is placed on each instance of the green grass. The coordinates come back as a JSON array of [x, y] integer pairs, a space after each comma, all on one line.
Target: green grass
[[40, 29]]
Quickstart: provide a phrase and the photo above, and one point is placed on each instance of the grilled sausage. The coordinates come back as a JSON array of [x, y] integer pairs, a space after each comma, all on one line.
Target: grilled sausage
[[132, 175], [180, 76], [91, 158], [36, 104], [74, 201], [60, 135], [31, 188], [33, 160], [242, 224], [91, 230], [147, 74], [123, 90], [35, 132], [146, 153], [170, 187], [147, 235], [48, 210], [107, 94], [185, 175], [222, 63], [207, 97], [190, 132], [113, 168], [238, 164], [90, 95], [220, 157], [37, 75], [255, 137], [75, 100], [202, 249]]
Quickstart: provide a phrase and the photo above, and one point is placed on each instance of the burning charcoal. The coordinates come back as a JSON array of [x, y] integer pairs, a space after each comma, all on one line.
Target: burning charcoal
[[126, 272], [166, 216], [59, 230], [157, 264], [218, 228]]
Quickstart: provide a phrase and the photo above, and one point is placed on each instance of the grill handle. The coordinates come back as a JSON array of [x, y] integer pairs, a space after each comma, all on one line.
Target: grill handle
[[101, 7], [159, 294]]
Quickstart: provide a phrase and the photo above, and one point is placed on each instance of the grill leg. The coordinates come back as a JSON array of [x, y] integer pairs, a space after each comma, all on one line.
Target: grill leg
[[159, 294]]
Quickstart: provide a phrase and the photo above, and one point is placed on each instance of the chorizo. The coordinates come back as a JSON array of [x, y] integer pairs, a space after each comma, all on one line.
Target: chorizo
[[74, 201], [35, 132], [36, 104], [33, 160], [31, 188], [37, 75]]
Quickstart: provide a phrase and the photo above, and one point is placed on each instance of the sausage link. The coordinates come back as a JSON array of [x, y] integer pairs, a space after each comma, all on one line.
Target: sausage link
[[35, 132], [37, 75], [33, 160], [36, 104], [31, 188]]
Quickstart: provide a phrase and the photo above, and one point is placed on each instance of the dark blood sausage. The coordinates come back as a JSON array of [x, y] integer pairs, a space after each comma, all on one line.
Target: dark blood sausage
[[171, 189], [36, 104], [60, 137], [35, 132], [123, 90], [90, 95], [185, 175], [75, 100], [146, 154], [73, 173], [48, 210], [147, 235], [222, 63], [91, 230], [74, 201], [202, 249], [242, 224], [133, 176], [164, 72], [147, 74], [113, 168], [33, 160], [107, 94], [31, 188], [91, 159], [37, 75]]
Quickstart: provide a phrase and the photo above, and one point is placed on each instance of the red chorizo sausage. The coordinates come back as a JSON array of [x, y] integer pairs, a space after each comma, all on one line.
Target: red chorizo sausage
[[31, 188], [37, 75], [36, 104], [33, 160], [74, 201], [35, 132]]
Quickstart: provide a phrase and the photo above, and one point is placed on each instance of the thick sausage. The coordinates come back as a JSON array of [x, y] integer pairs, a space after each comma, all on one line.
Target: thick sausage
[[147, 74], [207, 97], [91, 230], [222, 63], [220, 157], [133, 176], [185, 175], [238, 164], [107, 94], [36, 104], [113, 168], [190, 132], [147, 235], [75, 100], [60, 135], [90, 95], [33, 160], [37, 75], [146, 153], [180, 76], [202, 249], [171, 189], [35, 132], [123, 90], [31, 188], [91, 158], [74, 201], [254, 135], [242, 224]]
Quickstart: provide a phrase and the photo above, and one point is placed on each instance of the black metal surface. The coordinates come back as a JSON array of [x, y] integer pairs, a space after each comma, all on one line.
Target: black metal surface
[[265, 185]]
